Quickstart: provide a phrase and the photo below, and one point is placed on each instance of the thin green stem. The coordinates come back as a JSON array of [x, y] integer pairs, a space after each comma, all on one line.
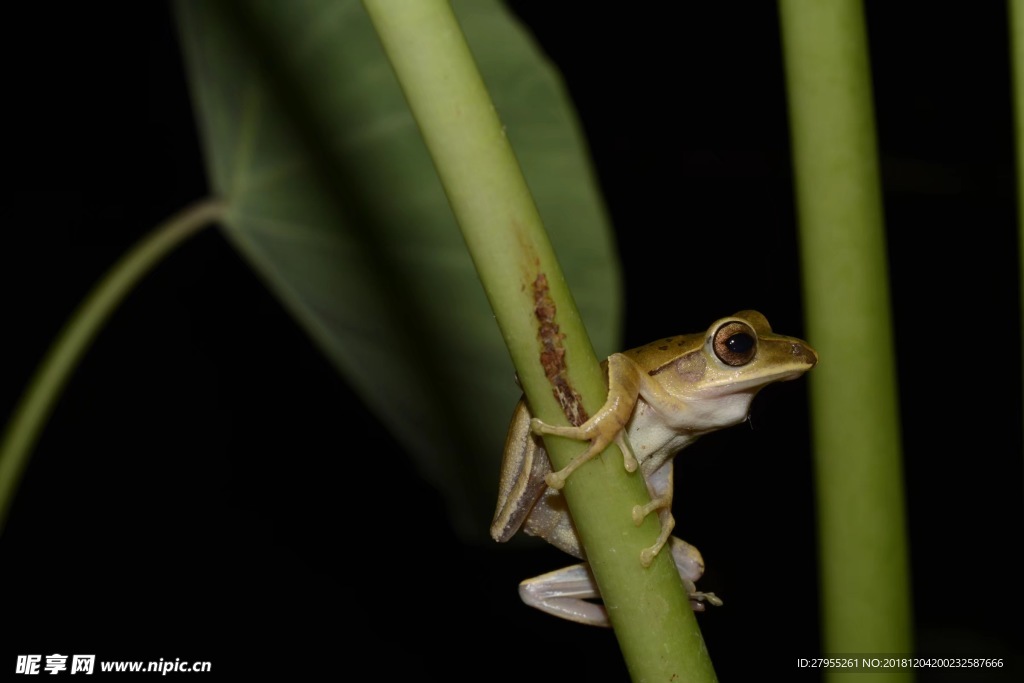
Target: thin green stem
[[542, 328], [39, 399], [1016, 9], [861, 528]]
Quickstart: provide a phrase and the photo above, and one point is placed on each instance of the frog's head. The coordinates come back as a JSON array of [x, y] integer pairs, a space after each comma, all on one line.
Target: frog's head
[[742, 354], [723, 369]]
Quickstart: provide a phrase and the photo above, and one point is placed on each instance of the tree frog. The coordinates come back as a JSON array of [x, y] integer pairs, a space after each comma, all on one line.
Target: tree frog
[[661, 397]]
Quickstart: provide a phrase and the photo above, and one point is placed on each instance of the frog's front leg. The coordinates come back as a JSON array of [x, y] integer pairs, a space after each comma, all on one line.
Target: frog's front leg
[[566, 592], [607, 425]]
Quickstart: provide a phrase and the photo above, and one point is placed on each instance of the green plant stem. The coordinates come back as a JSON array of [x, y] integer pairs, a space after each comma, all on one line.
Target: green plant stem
[[649, 608], [1016, 10], [39, 399], [861, 528]]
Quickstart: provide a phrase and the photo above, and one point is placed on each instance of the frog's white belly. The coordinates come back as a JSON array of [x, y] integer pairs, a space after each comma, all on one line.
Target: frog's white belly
[[656, 439]]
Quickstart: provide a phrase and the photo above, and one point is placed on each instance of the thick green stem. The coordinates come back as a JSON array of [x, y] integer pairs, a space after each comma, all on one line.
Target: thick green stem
[[39, 399], [542, 328], [861, 528]]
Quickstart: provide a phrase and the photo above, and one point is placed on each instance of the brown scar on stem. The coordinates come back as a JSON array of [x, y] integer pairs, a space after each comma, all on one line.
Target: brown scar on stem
[[552, 354]]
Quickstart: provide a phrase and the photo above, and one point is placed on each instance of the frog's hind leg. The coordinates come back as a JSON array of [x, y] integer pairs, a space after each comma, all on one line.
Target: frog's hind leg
[[690, 565], [523, 468], [565, 593]]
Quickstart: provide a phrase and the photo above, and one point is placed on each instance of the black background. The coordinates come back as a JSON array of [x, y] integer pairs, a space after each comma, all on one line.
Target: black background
[[199, 492]]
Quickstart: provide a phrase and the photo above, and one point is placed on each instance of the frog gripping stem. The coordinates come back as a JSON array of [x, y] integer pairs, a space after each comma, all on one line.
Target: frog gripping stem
[[599, 440], [661, 398]]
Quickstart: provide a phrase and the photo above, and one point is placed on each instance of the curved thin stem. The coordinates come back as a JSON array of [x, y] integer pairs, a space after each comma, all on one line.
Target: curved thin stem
[[41, 395], [1016, 11]]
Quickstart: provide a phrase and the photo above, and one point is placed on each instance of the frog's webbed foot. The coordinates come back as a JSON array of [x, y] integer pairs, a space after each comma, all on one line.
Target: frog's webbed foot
[[600, 434], [697, 600]]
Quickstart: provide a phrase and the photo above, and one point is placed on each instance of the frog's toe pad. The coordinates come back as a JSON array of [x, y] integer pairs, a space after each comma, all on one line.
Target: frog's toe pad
[[638, 515], [555, 480]]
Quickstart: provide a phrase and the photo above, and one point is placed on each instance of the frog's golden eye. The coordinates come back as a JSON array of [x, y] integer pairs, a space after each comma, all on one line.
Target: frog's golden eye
[[735, 343]]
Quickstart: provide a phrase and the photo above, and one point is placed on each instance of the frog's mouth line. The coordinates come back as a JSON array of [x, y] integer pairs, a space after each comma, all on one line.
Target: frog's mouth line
[[730, 385]]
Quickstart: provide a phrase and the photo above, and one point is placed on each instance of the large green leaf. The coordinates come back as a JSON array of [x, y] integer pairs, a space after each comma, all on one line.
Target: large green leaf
[[334, 200]]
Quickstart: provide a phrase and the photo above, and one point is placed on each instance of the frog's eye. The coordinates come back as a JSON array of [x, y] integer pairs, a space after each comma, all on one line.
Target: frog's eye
[[735, 343]]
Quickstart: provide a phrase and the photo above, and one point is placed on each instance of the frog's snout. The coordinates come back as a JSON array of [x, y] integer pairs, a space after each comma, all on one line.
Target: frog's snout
[[805, 353]]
